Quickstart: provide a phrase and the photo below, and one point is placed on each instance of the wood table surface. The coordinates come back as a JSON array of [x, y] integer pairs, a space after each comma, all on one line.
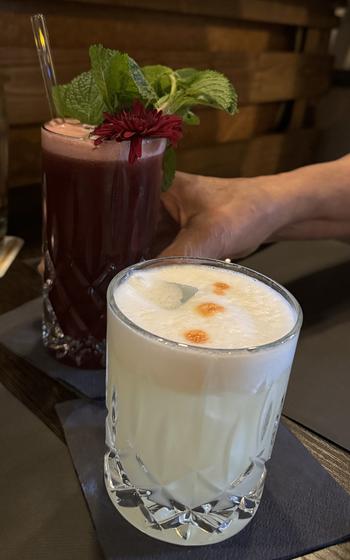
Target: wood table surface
[[40, 394]]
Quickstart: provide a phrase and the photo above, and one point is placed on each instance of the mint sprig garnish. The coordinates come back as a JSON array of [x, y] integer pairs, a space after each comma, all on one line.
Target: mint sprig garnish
[[119, 78], [116, 80]]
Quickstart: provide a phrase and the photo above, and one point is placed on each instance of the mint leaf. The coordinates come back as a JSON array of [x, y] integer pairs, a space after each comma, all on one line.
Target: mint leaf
[[119, 78], [198, 87], [127, 82], [186, 76], [178, 103], [120, 83], [209, 88], [158, 77], [145, 89], [80, 99], [190, 118], [169, 167], [100, 58]]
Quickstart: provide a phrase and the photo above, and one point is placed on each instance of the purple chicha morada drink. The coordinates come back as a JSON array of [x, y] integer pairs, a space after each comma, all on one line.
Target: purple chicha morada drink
[[100, 216], [104, 167]]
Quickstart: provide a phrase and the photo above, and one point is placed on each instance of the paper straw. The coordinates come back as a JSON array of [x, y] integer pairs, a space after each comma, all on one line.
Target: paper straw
[[42, 43]]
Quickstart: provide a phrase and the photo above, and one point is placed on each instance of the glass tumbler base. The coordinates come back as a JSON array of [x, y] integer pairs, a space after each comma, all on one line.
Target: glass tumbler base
[[175, 523], [87, 353]]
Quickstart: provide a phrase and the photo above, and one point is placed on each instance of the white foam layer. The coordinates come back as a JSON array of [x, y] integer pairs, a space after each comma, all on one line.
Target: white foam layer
[[70, 138], [249, 313]]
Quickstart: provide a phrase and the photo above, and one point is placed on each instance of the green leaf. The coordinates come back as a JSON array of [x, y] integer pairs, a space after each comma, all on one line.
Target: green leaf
[[127, 82], [158, 76], [169, 167], [100, 58], [80, 99], [186, 76], [190, 118], [116, 80], [200, 87], [120, 82], [119, 78], [210, 88], [145, 89], [178, 103]]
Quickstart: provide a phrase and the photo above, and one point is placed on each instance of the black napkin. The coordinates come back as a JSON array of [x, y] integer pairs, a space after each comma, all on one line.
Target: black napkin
[[302, 509], [20, 331]]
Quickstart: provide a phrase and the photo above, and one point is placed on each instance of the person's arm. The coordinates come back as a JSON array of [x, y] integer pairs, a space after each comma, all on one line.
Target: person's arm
[[325, 190], [232, 217]]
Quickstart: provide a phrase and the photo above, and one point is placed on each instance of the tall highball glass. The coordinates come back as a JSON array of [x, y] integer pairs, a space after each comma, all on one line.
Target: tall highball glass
[[100, 215]]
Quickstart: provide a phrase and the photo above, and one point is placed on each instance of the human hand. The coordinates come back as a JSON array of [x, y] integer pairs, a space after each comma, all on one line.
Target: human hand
[[212, 217], [215, 217]]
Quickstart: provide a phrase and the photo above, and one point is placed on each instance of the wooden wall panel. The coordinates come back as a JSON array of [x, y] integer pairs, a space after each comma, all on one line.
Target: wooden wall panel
[[263, 78], [259, 156], [294, 12], [275, 52], [315, 41], [217, 127], [124, 29]]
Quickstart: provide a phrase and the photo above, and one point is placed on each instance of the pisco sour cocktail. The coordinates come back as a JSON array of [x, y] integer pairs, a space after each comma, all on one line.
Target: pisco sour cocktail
[[199, 356]]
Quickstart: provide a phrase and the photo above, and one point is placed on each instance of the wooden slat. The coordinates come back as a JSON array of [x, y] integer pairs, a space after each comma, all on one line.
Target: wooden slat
[[217, 127], [293, 12], [298, 114], [282, 76], [334, 459], [337, 552], [265, 77], [260, 156], [124, 29], [316, 41]]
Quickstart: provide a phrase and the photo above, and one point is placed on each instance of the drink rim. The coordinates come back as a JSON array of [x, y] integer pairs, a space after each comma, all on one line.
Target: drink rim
[[127, 272], [148, 140]]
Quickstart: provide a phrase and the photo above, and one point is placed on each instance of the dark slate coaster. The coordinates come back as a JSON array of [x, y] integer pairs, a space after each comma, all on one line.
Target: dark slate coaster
[[20, 332], [303, 508]]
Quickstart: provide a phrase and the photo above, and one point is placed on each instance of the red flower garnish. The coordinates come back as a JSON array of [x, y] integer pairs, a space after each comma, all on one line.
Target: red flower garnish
[[136, 124]]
